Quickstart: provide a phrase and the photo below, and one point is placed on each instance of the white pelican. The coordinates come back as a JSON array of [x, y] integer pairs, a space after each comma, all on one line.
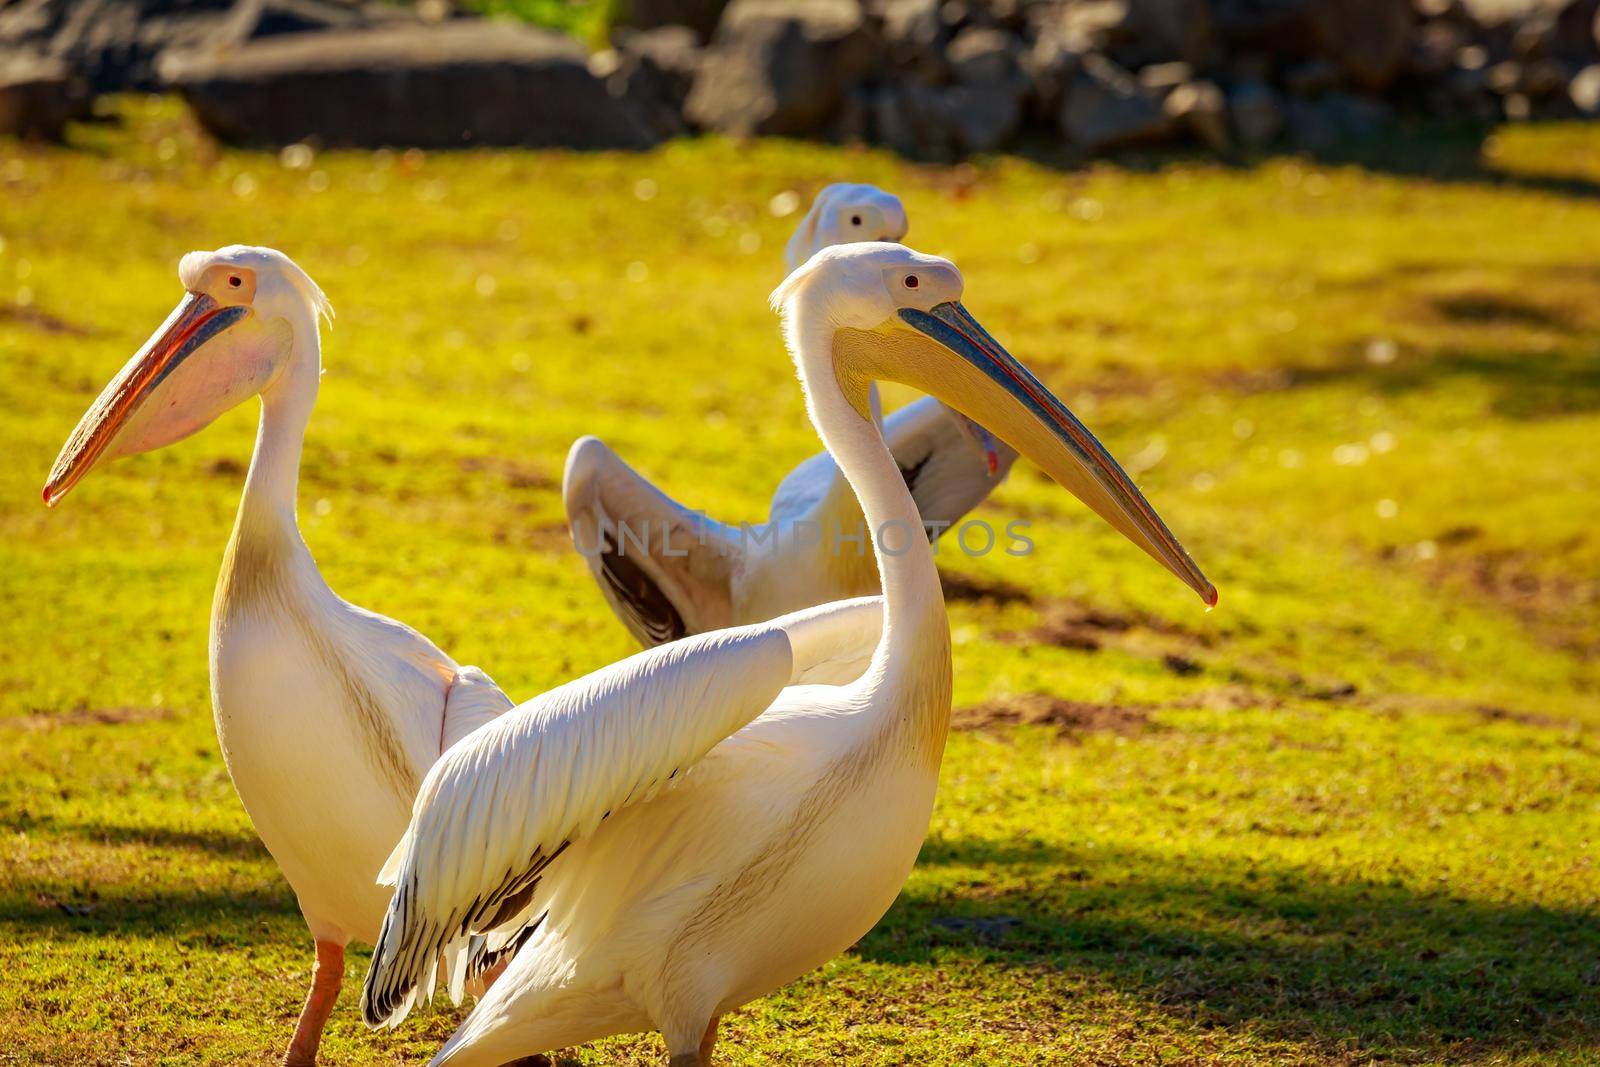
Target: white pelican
[[328, 715], [686, 830], [667, 571]]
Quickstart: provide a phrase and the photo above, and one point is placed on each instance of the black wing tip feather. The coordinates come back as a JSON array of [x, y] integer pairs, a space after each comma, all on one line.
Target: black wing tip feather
[[387, 985], [392, 978], [640, 594]]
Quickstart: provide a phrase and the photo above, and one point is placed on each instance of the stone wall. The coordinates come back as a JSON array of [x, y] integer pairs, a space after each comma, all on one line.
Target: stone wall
[[935, 79]]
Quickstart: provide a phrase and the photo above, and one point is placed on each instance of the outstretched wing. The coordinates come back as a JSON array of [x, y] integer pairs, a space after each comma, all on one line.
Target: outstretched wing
[[663, 569], [502, 804], [950, 464]]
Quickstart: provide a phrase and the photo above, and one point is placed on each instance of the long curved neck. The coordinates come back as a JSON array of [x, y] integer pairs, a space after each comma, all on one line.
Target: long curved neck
[[266, 552], [271, 488], [915, 625]]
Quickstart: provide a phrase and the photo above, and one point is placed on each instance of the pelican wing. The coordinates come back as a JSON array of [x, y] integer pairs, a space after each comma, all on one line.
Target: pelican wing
[[474, 700], [946, 468], [664, 569], [944, 464], [500, 806]]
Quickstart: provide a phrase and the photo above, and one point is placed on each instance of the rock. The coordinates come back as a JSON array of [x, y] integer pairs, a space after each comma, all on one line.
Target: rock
[[1467, 89], [1503, 78], [1311, 77], [1546, 77], [1010, 15], [1585, 90], [1200, 108], [1258, 113], [1162, 30], [983, 118], [1089, 25], [943, 123], [984, 108], [912, 119], [669, 54], [1165, 77], [1136, 33], [1280, 28], [1367, 40], [467, 81], [1050, 64], [780, 66], [1106, 108], [915, 36], [853, 124], [1336, 121], [652, 70], [1535, 79], [1553, 29], [114, 44], [985, 57], [700, 16], [38, 97], [1433, 49]]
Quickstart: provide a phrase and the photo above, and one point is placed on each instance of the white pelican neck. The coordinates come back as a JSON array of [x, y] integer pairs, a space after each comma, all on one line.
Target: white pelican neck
[[914, 616], [272, 485]]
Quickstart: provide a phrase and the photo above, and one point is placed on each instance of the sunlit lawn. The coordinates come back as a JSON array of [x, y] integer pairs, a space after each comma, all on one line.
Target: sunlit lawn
[[1351, 816]]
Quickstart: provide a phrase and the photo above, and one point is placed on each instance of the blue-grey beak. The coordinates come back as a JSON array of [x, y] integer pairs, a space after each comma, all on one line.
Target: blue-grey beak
[[1005, 397]]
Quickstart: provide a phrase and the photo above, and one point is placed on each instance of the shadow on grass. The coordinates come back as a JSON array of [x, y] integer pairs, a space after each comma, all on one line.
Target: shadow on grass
[[1450, 153], [239, 844], [1388, 969], [1528, 384], [210, 917]]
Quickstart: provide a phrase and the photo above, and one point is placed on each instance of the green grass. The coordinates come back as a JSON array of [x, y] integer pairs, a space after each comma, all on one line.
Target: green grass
[[1349, 817]]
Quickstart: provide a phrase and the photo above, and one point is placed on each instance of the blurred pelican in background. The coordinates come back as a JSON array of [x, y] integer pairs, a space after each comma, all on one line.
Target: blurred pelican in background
[[328, 715], [668, 571], [688, 829]]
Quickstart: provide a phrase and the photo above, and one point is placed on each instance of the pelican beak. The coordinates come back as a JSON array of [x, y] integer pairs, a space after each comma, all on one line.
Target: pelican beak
[[197, 319], [990, 387], [986, 442]]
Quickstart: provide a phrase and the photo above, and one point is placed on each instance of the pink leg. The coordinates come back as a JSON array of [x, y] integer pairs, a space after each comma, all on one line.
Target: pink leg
[[709, 1041], [325, 981], [700, 1057]]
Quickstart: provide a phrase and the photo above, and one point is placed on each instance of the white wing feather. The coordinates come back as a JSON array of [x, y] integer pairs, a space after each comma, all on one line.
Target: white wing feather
[[474, 700], [503, 803], [671, 578]]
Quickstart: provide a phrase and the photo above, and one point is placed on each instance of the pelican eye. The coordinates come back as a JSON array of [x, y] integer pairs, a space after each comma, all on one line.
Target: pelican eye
[[855, 220], [911, 281], [235, 281]]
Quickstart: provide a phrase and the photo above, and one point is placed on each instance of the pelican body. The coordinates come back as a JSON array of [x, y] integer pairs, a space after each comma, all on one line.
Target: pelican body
[[328, 715], [668, 571], [691, 828]]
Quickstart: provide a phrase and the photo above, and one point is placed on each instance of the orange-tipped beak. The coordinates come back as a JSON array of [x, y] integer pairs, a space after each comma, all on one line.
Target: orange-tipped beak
[[196, 320]]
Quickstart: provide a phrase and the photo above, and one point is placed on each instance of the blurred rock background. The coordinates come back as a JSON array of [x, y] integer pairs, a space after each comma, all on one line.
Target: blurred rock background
[[931, 79]]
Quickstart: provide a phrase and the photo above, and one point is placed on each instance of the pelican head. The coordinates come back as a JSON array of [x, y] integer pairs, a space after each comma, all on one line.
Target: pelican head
[[866, 312], [226, 341], [843, 213]]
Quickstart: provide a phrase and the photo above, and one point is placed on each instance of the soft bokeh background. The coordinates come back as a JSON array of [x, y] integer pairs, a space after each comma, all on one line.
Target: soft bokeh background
[[1348, 817]]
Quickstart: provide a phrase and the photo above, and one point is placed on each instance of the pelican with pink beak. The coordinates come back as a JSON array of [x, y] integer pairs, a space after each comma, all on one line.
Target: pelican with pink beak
[[328, 715], [668, 571], [690, 828]]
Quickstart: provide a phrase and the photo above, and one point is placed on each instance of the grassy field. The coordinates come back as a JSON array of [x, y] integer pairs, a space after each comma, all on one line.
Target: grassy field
[[1350, 817]]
